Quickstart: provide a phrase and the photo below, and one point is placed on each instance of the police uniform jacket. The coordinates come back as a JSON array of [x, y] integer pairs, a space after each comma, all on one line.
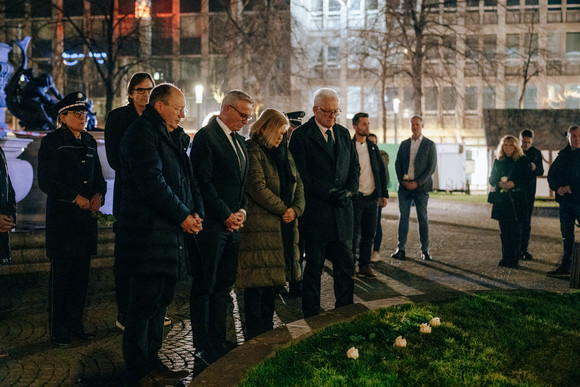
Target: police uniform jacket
[[68, 167], [158, 193]]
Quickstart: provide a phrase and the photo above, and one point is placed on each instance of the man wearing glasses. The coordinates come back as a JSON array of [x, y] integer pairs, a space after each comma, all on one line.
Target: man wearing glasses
[[328, 165], [160, 204], [219, 159]]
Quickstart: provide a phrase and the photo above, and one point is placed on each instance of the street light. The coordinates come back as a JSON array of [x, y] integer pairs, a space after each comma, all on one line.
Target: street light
[[396, 103], [198, 101]]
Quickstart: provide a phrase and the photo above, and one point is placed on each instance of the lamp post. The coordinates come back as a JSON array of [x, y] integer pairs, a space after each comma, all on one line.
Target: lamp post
[[198, 101], [396, 103]]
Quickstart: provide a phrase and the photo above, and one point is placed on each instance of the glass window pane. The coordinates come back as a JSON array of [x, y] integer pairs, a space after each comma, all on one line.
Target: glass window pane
[[512, 45], [555, 99], [449, 98], [572, 42], [511, 97], [371, 101], [488, 97], [471, 98], [572, 93], [353, 101]]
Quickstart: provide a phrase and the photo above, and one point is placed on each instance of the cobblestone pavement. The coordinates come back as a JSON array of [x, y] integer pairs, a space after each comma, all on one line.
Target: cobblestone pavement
[[464, 243]]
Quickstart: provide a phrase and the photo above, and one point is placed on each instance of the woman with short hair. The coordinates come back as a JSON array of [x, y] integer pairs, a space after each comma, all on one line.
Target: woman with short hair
[[69, 172]]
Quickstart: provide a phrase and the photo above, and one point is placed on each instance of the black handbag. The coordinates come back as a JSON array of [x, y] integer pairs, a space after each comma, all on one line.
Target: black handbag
[[491, 196]]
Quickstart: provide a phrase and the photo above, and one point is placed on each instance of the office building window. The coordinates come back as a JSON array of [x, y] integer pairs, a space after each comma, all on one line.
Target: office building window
[[488, 101], [448, 98], [572, 92], [470, 98], [511, 97], [371, 102], [512, 46], [430, 99], [353, 104]]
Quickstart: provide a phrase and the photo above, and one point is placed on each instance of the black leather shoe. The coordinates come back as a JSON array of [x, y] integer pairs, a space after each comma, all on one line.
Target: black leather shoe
[[425, 256], [399, 254], [202, 359], [511, 265], [559, 272], [166, 374], [527, 256], [61, 342]]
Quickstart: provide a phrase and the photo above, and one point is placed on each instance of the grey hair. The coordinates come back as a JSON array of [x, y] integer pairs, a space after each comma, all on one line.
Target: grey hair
[[416, 116], [234, 96], [325, 93]]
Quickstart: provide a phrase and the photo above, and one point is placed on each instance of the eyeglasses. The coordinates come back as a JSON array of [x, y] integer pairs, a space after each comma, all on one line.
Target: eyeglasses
[[329, 113], [179, 110], [244, 117], [143, 90], [78, 113]]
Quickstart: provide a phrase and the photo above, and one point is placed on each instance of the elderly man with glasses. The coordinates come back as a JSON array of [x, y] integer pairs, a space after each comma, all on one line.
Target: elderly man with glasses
[[219, 159], [329, 168]]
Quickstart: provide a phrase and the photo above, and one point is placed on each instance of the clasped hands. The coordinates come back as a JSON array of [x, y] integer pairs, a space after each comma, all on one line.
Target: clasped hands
[[6, 223], [235, 221], [506, 184], [192, 224], [410, 184], [92, 205], [564, 190]]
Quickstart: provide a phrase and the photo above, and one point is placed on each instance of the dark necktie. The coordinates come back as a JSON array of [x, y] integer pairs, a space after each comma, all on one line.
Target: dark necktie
[[330, 140], [241, 159]]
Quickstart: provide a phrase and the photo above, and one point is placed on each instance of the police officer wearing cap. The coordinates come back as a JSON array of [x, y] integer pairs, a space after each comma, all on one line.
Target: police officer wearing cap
[[69, 172]]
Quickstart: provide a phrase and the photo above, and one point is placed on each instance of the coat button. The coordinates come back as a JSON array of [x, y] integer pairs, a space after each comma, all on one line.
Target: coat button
[[180, 247], [83, 161], [85, 182]]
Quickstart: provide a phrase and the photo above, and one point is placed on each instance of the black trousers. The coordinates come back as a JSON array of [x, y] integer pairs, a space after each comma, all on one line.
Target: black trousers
[[259, 310], [340, 253], [365, 226], [68, 282], [510, 233], [214, 273], [143, 337], [526, 223]]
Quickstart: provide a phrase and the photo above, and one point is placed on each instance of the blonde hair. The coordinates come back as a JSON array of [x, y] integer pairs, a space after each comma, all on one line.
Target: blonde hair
[[267, 126], [518, 152]]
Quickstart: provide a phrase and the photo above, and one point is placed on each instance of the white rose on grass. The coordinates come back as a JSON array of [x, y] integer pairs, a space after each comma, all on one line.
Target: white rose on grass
[[435, 322], [504, 179], [400, 342], [425, 329], [352, 353]]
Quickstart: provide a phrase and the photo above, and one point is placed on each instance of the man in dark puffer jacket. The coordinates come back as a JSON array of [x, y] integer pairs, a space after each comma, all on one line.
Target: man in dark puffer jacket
[[160, 202]]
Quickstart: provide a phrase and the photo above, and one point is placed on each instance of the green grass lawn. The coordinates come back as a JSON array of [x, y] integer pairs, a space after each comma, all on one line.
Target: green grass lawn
[[477, 198], [524, 338]]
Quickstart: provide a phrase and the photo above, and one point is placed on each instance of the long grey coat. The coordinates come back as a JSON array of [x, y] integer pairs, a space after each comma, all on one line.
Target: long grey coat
[[261, 261]]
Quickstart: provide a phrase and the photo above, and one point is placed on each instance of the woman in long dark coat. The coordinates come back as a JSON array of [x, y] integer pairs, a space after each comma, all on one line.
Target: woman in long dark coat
[[509, 174], [269, 240], [69, 172]]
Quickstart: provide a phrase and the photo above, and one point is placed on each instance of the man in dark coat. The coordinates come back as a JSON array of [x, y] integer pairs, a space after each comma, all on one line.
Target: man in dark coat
[[328, 165], [564, 180], [7, 216], [219, 159], [372, 194], [69, 172], [160, 203], [415, 164], [118, 120], [536, 163]]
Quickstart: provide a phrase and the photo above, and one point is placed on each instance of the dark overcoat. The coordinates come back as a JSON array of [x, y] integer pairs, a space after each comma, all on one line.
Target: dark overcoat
[[321, 171], [68, 167], [159, 191], [261, 261], [118, 120], [221, 181], [7, 206], [510, 205]]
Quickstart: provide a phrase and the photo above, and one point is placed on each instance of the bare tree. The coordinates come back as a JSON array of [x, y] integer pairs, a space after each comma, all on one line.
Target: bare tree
[[251, 43]]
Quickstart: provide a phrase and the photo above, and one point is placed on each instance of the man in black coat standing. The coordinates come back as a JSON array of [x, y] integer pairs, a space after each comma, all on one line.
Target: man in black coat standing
[[372, 194], [219, 159], [328, 165], [537, 165], [160, 203]]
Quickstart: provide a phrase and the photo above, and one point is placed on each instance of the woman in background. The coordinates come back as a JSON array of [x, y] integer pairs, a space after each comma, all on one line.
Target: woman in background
[[269, 240], [509, 174]]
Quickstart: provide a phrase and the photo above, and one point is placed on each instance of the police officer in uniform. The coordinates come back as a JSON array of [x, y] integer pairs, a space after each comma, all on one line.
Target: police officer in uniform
[[69, 172]]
